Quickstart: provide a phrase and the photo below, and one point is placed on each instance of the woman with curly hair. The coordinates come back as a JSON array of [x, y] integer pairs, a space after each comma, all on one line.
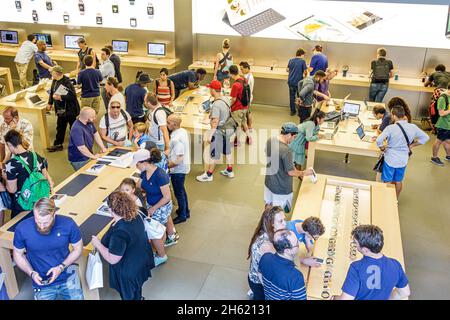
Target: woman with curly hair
[[397, 101], [126, 248]]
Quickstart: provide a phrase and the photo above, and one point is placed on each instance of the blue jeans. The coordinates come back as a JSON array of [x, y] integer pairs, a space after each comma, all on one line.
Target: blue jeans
[[78, 165], [69, 290], [377, 91], [181, 195], [292, 93]]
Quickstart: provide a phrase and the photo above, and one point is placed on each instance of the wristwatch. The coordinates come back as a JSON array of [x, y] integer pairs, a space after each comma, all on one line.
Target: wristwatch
[[64, 267]]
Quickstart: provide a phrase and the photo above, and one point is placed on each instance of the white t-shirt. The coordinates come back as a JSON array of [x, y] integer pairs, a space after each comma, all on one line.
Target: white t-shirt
[[118, 128], [155, 132], [251, 84], [179, 145], [26, 52], [118, 97]]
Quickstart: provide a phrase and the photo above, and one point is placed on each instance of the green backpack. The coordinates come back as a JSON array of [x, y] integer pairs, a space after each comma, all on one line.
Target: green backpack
[[35, 187]]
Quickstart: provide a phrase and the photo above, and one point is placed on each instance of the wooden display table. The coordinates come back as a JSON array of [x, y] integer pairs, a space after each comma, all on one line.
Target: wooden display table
[[377, 205], [6, 72], [357, 80], [346, 140], [127, 60], [79, 208]]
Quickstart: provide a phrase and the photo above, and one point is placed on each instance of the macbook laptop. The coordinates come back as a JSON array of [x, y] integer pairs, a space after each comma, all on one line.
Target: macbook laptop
[[19, 96], [351, 109], [330, 134], [37, 101], [39, 87], [362, 135]]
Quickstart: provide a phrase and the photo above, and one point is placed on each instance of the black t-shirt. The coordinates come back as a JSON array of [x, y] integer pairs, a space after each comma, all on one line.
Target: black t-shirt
[[15, 169], [115, 59], [373, 65]]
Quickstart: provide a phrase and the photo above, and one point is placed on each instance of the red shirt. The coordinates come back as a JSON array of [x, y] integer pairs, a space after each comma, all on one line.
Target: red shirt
[[236, 92]]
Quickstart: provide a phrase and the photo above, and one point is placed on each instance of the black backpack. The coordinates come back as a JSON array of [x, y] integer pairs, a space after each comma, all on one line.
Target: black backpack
[[168, 113], [124, 114], [382, 70], [246, 92]]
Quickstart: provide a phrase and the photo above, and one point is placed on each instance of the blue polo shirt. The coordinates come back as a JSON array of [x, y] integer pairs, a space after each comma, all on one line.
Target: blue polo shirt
[[47, 251], [135, 96], [297, 67], [80, 135], [42, 56], [374, 279], [90, 82], [182, 79], [153, 185], [281, 279], [319, 61]]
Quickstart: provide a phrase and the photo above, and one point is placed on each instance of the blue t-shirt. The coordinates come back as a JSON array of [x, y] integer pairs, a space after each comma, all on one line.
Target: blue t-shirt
[[47, 251], [385, 121], [42, 56], [153, 186], [80, 135], [374, 279], [144, 138], [90, 82], [135, 96], [290, 225], [319, 61], [281, 279], [182, 79], [297, 67]]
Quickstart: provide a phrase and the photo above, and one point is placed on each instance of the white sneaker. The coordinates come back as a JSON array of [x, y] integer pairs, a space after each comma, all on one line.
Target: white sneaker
[[204, 178], [227, 173], [160, 260]]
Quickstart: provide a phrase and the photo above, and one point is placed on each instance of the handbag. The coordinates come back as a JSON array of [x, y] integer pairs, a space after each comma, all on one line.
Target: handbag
[[154, 229], [94, 271], [379, 165]]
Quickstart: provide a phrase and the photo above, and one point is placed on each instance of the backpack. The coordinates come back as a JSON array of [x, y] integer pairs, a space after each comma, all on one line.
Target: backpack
[[168, 113], [124, 114], [433, 106], [381, 70], [35, 187], [246, 92], [168, 84], [226, 62], [230, 123]]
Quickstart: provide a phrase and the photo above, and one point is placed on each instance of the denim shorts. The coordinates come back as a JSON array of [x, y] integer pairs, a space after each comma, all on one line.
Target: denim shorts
[[163, 213]]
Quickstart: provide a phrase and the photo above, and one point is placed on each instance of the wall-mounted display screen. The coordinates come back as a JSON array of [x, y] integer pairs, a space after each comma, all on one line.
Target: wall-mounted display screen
[[9, 37], [120, 46], [156, 49], [44, 37], [367, 22], [71, 41]]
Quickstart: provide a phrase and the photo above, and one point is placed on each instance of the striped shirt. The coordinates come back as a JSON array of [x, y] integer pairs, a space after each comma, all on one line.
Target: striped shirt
[[163, 92], [281, 279]]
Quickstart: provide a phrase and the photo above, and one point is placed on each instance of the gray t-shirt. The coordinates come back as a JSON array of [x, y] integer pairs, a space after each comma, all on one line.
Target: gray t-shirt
[[220, 108], [279, 163]]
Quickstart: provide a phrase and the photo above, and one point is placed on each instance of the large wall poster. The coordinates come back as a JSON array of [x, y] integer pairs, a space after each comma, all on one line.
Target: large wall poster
[[155, 15], [396, 24]]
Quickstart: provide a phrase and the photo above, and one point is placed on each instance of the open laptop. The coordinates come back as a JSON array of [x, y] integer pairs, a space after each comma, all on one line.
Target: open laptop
[[362, 134], [351, 109], [181, 107], [330, 134], [37, 101], [19, 96], [39, 87], [339, 103]]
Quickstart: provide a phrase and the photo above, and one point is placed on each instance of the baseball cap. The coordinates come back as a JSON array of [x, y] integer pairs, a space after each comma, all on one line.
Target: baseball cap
[[139, 156], [58, 69], [215, 84], [289, 127], [144, 79]]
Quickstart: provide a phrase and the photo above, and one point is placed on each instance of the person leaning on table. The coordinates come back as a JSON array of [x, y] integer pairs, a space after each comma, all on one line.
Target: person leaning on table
[[396, 150], [81, 141], [375, 276], [126, 248], [41, 250]]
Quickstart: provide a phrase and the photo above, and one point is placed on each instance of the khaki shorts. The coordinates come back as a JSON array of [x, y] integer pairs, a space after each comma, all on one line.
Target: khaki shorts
[[240, 116], [94, 103]]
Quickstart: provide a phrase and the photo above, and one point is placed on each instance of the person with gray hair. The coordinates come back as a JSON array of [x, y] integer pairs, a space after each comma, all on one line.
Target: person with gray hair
[[53, 272], [82, 137]]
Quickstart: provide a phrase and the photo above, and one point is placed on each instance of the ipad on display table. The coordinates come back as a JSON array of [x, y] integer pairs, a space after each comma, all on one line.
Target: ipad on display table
[[156, 49], [120, 46], [71, 41], [44, 37], [9, 37]]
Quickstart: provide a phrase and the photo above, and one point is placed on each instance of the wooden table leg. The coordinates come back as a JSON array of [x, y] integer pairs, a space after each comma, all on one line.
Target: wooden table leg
[[88, 294], [9, 82], [6, 264], [43, 128], [311, 155]]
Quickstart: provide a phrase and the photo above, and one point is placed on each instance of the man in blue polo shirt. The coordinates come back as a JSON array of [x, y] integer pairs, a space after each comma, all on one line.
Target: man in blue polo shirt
[[280, 278], [43, 62], [375, 276], [81, 141], [187, 79], [41, 250], [319, 61]]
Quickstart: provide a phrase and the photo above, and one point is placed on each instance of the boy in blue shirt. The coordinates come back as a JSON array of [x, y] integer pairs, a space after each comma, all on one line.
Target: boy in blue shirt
[[375, 276]]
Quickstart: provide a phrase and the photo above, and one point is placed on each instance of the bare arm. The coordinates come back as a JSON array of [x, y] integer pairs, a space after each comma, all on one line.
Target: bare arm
[[105, 137], [178, 160], [22, 262], [85, 152], [172, 90], [344, 296], [444, 113], [93, 54], [99, 142], [44, 65], [11, 186], [400, 293], [109, 257], [130, 130], [166, 138], [165, 190]]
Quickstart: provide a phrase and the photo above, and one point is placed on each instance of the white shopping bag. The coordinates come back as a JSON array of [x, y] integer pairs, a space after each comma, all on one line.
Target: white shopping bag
[[154, 229], [94, 271]]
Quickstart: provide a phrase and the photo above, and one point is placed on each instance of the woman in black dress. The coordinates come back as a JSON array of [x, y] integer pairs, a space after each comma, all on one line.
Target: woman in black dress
[[126, 248]]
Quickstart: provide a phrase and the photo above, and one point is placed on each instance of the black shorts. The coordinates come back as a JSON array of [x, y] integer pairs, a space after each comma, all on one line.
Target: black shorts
[[443, 134], [220, 144], [304, 112]]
